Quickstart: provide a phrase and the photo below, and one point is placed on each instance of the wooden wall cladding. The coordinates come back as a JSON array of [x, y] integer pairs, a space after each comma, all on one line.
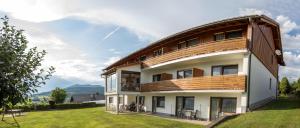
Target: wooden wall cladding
[[263, 47], [204, 48], [166, 76], [197, 72], [225, 82]]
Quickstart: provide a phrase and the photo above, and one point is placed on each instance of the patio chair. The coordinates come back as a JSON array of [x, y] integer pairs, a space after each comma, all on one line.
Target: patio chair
[[198, 115], [187, 114], [179, 113]]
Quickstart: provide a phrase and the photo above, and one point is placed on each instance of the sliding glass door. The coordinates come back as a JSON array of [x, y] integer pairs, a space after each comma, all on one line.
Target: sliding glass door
[[220, 106], [184, 103]]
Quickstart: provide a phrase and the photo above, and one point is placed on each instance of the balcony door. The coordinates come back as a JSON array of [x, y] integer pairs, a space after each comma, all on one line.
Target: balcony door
[[184, 103], [221, 106]]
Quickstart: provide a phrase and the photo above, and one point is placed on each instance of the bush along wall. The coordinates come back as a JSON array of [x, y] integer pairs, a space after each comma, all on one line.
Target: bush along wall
[[43, 107]]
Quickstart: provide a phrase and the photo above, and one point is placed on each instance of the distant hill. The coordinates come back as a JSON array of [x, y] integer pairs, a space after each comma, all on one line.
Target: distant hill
[[79, 89]]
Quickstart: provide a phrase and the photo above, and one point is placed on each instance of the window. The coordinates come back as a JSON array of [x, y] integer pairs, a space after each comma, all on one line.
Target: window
[[111, 83], [188, 103], [160, 101], [110, 100], [180, 74], [142, 58], [216, 70], [224, 70], [232, 69], [184, 74], [228, 105], [156, 77], [181, 45], [270, 84], [234, 34], [219, 36], [192, 42], [158, 52]]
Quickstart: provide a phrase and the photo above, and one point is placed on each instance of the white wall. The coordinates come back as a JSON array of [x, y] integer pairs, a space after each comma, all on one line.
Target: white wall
[[202, 102], [259, 82], [146, 75]]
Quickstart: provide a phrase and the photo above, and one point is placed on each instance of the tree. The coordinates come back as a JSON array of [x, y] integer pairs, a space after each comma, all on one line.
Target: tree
[[284, 86], [20, 67], [59, 95]]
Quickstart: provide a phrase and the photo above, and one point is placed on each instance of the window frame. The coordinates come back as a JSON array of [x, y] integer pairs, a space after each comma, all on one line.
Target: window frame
[[222, 69], [158, 52], [143, 58], [270, 84], [156, 75], [184, 75], [162, 98], [232, 31], [110, 100], [190, 40], [219, 33]]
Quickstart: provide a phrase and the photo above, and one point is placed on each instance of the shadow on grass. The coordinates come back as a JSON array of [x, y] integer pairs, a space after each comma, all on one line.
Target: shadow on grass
[[11, 125]]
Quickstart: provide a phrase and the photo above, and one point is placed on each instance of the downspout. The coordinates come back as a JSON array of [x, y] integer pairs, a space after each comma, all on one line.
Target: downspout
[[250, 45]]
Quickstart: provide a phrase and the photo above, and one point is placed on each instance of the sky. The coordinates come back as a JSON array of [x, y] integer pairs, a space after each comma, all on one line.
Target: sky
[[82, 37]]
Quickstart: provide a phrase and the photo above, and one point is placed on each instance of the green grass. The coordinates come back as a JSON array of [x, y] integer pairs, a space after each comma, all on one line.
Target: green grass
[[91, 118], [284, 113]]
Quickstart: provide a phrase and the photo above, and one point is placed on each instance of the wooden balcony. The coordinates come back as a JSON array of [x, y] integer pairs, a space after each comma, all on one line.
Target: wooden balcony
[[204, 48], [225, 82]]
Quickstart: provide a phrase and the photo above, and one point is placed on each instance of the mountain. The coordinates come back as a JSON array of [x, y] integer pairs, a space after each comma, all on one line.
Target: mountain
[[79, 89]]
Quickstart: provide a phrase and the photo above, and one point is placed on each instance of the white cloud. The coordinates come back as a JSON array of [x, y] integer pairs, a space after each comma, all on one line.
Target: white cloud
[[114, 51], [112, 60], [287, 25], [70, 62], [254, 11]]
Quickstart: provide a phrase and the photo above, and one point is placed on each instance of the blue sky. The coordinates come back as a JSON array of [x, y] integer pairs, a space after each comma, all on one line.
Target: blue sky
[[82, 37]]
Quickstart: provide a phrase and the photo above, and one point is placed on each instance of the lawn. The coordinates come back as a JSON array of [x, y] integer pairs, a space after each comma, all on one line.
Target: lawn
[[91, 118], [284, 113]]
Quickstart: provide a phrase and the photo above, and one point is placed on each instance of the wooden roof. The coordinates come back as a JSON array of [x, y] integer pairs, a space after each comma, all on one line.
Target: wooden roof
[[262, 19]]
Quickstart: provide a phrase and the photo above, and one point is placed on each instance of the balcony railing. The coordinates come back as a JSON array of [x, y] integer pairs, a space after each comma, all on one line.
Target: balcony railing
[[131, 88], [224, 82], [209, 47]]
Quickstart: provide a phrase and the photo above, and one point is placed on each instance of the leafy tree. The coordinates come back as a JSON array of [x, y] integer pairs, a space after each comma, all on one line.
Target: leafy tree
[[59, 95], [20, 67], [284, 86]]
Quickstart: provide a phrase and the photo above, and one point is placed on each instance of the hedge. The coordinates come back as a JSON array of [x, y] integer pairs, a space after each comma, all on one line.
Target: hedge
[[41, 107]]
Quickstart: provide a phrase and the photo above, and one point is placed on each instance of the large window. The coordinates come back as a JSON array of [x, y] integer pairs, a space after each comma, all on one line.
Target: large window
[[188, 103], [184, 73], [158, 52], [130, 81], [156, 77], [192, 42], [228, 35], [188, 43], [224, 70], [142, 58], [111, 83], [234, 34], [181, 45], [160, 101], [229, 105], [219, 36]]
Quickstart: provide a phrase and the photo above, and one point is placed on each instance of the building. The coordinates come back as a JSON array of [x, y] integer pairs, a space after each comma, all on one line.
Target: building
[[224, 67], [82, 98]]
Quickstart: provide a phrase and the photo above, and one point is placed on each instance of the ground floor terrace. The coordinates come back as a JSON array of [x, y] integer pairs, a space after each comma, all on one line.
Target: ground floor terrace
[[208, 105]]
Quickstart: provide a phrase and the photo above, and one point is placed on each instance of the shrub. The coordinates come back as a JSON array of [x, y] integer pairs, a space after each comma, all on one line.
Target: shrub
[[297, 92], [57, 106]]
